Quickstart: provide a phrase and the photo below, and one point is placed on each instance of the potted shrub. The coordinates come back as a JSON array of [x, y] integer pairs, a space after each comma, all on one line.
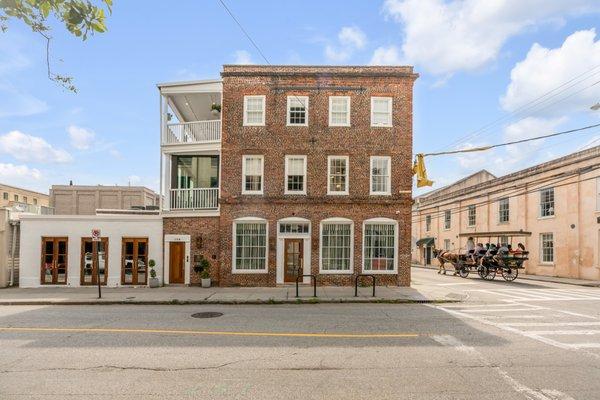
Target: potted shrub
[[153, 281], [202, 267], [215, 109]]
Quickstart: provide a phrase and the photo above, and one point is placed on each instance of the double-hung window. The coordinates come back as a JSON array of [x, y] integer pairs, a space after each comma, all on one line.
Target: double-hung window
[[252, 174], [297, 110], [381, 175], [337, 172], [250, 245], [337, 243], [472, 215], [503, 210], [447, 219], [381, 111], [547, 247], [380, 239], [547, 202], [295, 174], [254, 110], [339, 111], [428, 223]]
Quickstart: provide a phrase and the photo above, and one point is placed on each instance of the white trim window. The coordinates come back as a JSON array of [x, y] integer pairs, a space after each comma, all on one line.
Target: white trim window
[[447, 219], [337, 246], [297, 111], [381, 175], [547, 202], [381, 111], [250, 245], [254, 110], [295, 175], [380, 244], [472, 215], [446, 244], [252, 174], [337, 173], [339, 111], [503, 210], [547, 248]]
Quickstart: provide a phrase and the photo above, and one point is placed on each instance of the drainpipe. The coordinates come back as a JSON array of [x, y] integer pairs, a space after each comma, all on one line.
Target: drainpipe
[[14, 225]]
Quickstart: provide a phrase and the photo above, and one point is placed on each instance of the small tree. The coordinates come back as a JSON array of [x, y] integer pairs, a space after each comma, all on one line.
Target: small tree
[[202, 267], [152, 264]]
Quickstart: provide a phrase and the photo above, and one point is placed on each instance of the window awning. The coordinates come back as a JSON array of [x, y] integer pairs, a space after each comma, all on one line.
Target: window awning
[[428, 241]]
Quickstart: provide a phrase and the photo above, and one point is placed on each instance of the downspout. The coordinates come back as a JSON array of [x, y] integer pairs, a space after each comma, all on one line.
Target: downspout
[[12, 252]]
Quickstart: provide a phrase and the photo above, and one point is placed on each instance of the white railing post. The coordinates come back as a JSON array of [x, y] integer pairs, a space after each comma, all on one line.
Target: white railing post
[[193, 132], [194, 199]]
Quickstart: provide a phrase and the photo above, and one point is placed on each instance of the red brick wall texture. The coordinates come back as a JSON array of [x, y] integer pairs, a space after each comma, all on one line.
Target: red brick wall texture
[[318, 140]]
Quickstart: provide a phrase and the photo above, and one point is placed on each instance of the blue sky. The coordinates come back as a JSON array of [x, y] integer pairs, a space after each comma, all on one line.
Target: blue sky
[[478, 60]]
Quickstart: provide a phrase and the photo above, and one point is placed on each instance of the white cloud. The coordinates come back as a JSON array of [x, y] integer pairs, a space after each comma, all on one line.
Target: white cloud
[[445, 37], [24, 147], [350, 39], [81, 138], [17, 173], [386, 56], [545, 69], [16, 103], [243, 57]]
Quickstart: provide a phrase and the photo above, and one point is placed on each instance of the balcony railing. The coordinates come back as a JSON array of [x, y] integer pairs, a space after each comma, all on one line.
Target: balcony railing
[[194, 199], [193, 132], [20, 207]]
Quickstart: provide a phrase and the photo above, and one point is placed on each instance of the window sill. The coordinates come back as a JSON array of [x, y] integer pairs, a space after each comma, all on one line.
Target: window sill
[[337, 193], [245, 193], [543, 264], [250, 272], [503, 223], [547, 217], [254, 124], [393, 272], [382, 126], [298, 125], [340, 125], [294, 193], [329, 272], [380, 194]]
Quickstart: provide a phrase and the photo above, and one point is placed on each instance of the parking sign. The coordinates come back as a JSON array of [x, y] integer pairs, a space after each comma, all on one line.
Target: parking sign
[[95, 235]]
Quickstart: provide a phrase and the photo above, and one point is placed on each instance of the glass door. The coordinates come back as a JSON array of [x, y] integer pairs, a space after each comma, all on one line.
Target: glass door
[[134, 266], [54, 261], [90, 252]]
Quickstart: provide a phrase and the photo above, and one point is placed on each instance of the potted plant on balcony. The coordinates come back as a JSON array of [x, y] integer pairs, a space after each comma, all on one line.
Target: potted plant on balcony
[[215, 109], [202, 267], [153, 281]]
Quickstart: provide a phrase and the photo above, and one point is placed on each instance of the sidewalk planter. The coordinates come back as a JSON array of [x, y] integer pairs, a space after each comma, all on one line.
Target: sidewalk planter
[[153, 282], [205, 282]]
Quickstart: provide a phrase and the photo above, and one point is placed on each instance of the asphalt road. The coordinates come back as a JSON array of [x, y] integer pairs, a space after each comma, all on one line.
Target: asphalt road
[[520, 340]]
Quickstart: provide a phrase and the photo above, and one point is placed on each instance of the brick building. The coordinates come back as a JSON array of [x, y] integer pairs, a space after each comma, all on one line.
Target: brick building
[[305, 169]]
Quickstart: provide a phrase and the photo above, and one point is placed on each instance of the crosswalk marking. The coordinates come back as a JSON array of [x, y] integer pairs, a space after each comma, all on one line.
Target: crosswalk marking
[[567, 332], [542, 294]]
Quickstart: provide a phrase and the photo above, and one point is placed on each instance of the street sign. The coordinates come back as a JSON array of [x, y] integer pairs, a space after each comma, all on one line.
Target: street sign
[[95, 235]]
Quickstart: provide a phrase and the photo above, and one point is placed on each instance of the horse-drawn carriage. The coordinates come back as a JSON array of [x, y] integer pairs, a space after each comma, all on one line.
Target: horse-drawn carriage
[[488, 263]]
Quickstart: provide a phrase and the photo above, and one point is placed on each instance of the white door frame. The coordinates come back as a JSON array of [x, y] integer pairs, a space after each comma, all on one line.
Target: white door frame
[[306, 243], [186, 261]]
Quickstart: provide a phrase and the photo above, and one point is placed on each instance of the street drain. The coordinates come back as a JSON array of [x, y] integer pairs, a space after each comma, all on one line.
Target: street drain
[[208, 314]]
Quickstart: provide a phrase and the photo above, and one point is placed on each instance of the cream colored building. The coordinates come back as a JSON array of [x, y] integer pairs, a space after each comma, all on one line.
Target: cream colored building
[[85, 200], [557, 201], [13, 194]]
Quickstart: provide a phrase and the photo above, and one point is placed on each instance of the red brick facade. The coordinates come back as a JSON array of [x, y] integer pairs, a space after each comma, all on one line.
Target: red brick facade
[[316, 141]]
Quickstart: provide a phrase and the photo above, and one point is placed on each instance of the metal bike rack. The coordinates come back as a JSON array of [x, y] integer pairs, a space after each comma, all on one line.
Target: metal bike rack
[[356, 283], [314, 282]]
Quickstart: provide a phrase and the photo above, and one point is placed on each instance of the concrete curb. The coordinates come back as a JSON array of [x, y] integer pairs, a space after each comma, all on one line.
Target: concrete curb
[[226, 302]]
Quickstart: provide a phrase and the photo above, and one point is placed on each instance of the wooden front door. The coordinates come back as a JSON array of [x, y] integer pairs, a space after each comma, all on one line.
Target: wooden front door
[[92, 253], [292, 259], [54, 261], [176, 262], [134, 264]]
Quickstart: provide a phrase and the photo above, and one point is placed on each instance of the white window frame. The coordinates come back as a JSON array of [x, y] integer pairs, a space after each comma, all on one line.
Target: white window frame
[[264, 110], [500, 202], [250, 220], [389, 177], [262, 174], [285, 187], [375, 221], [469, 208], [447, 244], [447, 226], [542, 249], [336, 221], [390, 104], [303, 99], [348, 119], [553, 203], [347, 188]]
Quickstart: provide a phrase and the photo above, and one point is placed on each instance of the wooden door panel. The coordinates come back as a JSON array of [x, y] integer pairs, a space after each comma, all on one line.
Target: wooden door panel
[[292, 259], [176, 262]]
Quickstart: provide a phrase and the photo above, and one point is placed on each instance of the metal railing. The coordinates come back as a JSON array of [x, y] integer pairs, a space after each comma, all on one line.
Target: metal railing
[[20, 207], [194, 199], [192, 132], [356, 283], [314, 282]]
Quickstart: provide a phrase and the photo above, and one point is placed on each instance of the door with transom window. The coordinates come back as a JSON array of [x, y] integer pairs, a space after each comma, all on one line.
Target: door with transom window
[[293, 267], [134, 264]]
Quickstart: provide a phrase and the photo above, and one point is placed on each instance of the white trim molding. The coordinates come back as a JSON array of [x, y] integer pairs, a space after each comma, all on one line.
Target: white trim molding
[[348, 107], [186, 261], [264, 270], [387, 221], [388, 192], [304, 101], [347, 177], [305, 180], [389, 122], [264, 110], [245, 157], [336, 220]]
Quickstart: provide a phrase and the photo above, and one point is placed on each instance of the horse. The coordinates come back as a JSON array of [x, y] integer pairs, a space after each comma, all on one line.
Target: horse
[[445, 256]]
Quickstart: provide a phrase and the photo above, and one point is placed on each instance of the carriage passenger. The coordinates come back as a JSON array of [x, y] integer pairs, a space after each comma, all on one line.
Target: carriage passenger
[[479, 251]]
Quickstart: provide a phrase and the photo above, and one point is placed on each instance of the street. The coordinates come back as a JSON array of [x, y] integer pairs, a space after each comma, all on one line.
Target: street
[[519, 340]]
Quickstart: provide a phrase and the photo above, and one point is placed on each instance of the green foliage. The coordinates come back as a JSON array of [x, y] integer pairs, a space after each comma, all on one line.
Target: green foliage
[[215, 106], [152, 264], [81, 18], [202, 267]]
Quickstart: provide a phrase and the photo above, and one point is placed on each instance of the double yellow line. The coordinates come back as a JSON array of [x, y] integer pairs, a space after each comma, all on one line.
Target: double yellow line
[[214, 333]]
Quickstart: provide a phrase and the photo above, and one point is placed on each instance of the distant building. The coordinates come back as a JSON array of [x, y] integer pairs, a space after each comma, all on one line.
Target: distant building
[[557, 201], [85, 200], [13, 194]]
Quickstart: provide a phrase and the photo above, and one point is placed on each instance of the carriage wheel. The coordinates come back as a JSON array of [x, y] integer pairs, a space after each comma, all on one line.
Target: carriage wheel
[[510, 274], [490, 275], [463, 272], [482, 271]]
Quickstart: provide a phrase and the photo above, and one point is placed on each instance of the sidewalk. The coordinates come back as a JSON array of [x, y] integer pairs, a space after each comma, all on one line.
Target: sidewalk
[[539, 278], [229, 295]]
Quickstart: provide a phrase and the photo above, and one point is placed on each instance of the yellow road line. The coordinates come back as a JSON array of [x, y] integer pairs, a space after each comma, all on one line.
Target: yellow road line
[[215, 333]]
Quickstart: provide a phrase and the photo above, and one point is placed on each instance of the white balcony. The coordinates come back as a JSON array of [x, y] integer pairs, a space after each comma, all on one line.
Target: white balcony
[[194, 199], [197, 132]]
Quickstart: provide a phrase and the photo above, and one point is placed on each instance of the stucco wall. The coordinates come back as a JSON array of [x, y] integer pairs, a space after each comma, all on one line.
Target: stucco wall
[[33, 228]]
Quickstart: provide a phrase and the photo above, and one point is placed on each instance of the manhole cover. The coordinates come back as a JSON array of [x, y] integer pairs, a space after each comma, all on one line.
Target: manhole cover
[[208, 314]]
